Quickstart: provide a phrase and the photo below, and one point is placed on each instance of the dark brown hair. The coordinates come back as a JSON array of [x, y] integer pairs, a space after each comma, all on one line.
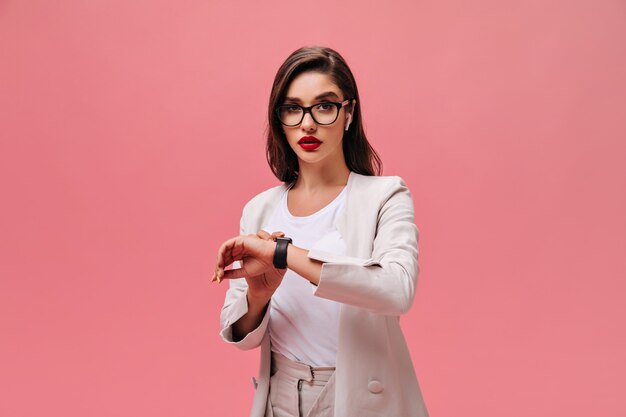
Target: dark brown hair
[[359, 155]]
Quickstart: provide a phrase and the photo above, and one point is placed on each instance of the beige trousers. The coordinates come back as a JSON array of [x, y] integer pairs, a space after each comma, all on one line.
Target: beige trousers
[[298, 390]]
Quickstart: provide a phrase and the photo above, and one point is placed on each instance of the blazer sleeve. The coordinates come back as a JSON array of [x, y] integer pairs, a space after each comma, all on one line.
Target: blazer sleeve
[[236, 305], [385, 283]]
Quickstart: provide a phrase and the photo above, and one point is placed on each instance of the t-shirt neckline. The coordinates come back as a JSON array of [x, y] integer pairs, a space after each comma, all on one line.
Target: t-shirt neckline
[[319, 212]]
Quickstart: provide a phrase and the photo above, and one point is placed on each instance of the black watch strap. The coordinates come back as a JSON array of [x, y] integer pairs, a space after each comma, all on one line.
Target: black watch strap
[[280, 254]]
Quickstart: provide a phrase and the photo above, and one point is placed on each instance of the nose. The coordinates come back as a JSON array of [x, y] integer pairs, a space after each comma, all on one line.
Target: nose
[[308, 123]]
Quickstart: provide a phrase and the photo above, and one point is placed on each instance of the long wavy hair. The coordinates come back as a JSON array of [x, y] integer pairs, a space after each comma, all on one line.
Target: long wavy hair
[[359, 155]]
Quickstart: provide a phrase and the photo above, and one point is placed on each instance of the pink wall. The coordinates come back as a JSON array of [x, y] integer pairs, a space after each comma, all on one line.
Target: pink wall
[[122, 170]]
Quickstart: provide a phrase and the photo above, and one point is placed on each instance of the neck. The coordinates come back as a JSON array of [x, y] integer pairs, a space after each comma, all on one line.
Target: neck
[[318, 176]]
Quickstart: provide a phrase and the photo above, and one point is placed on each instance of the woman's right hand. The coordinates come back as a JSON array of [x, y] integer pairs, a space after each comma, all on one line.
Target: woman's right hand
[[263, 286], [252, 257]]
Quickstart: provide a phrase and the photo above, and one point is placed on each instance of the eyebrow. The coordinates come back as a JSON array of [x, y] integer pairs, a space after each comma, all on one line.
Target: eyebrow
[[323, 95]]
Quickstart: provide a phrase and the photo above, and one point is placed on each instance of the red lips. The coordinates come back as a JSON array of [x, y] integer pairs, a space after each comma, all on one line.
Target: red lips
[[308, 139], [309, 143]]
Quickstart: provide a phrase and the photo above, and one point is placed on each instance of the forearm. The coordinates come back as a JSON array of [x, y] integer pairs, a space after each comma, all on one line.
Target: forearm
[[385, 288], [299, 262], [252, 319]]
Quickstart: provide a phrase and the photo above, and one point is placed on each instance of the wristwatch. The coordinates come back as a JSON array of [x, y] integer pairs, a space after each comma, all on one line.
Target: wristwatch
[[280, 254]]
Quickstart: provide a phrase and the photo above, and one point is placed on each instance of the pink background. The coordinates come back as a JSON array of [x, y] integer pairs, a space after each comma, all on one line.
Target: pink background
[[131, 137]]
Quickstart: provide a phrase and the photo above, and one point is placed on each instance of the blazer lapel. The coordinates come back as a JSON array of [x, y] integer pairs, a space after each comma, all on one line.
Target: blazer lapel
[[341, 221], [357, 223]]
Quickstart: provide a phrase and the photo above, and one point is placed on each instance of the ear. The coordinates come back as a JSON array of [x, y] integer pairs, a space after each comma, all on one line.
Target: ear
[[349, 118]]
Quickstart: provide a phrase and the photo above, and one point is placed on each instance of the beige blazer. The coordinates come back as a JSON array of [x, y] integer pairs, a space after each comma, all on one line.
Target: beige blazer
[[374, 282]]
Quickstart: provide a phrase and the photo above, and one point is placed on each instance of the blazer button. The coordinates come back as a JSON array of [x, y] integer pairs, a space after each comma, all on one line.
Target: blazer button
[[375, 386]]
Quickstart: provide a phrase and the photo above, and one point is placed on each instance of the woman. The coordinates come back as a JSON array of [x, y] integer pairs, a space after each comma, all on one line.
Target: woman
[[326, 262]]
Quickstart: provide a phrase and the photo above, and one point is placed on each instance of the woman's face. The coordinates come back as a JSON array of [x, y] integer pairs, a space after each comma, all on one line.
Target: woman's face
[[308, 89]]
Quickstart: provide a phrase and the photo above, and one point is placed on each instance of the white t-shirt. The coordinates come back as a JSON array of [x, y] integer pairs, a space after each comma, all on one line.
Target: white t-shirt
[[304, 327]]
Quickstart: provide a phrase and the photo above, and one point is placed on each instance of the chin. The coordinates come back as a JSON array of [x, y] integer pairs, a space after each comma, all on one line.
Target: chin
[[311, 158]]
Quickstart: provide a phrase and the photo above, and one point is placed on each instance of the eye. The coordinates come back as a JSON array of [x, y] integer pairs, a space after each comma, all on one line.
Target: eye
[[291, 108], [325, 106]]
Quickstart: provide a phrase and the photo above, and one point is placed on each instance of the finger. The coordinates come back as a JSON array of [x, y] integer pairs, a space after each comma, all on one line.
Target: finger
[[224, 257], [232, 274], [277, 234], [263, 234], [214, 275], [223, 252]]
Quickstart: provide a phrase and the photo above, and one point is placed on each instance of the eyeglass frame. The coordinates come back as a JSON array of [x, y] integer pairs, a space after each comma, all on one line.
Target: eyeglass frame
[[306, 110]]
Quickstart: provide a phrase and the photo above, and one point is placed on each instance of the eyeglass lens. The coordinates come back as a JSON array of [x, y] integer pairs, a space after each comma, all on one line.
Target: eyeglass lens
[[323, 114]]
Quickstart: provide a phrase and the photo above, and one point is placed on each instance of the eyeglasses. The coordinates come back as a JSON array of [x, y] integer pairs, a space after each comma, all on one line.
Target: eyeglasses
[[324, 113]]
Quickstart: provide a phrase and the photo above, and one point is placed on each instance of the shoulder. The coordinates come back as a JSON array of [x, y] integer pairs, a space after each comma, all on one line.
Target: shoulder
[[264, 198], [385, 195], [382, 186]]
